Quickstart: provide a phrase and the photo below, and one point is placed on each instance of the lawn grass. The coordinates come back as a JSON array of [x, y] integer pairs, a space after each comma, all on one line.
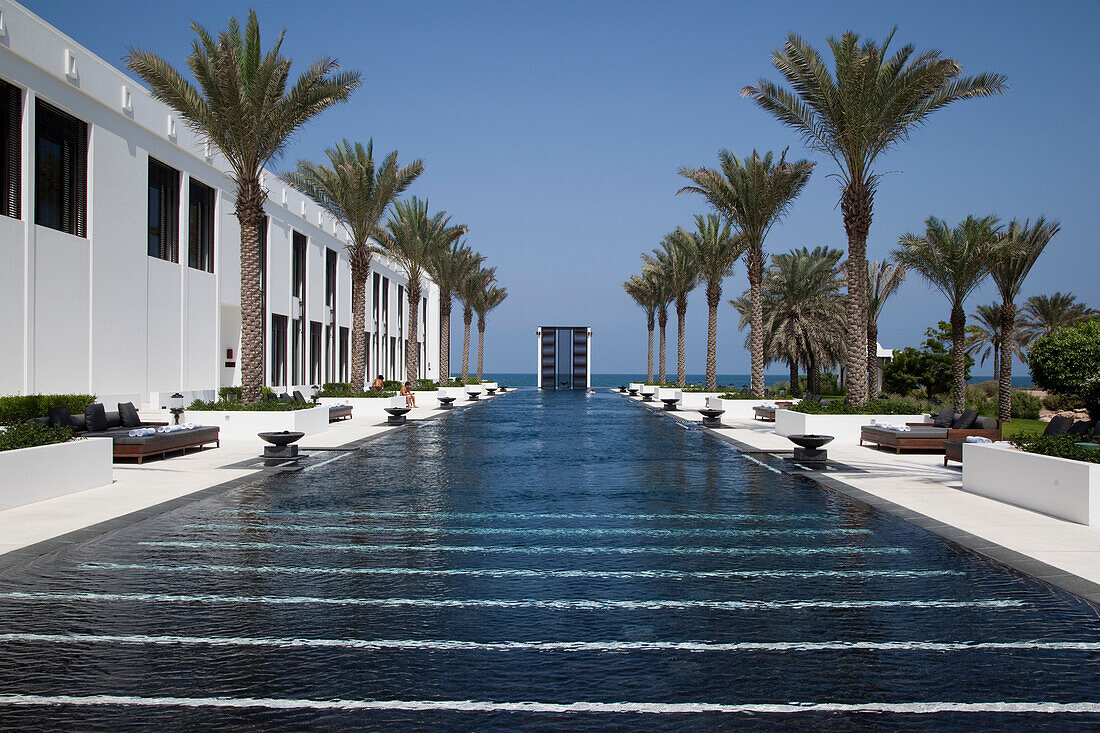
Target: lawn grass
[[1019, 425]]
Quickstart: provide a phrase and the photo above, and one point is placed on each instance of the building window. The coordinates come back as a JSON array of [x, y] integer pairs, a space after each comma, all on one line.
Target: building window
[[330, 278], [298, 266], [315, 352], [200, 227], [11, 149], [297, 335], [344, 335], [164, 208], [263, 289], [60, 170], [278, 350], [375, 360], [330, 353]]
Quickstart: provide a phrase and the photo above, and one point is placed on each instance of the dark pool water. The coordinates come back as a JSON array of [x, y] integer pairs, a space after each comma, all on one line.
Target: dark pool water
[[538, 562]]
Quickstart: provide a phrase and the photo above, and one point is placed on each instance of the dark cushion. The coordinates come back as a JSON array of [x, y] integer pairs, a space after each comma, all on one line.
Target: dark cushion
[[129, 415], [114, 420], [96, 418], [986, 423], [37, 421], [79, 423], [1080, 427], [60, 417], [945, 418], [298, 396], [965, 420], [1058, 425]]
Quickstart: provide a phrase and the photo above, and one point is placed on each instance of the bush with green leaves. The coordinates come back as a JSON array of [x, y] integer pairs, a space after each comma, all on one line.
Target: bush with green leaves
[[928, 368], [425, 385], [874, 407], [221, 405], [1066, 361], [230, 394], [16, 409], [335, 389], [1060, 446], [737, 396], [29, 436], [1062, 402]]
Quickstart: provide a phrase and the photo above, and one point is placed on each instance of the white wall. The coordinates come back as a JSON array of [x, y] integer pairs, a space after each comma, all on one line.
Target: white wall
[[97, 313]]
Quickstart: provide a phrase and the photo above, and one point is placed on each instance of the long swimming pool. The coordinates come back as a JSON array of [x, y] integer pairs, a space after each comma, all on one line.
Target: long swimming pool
[[538, 562]]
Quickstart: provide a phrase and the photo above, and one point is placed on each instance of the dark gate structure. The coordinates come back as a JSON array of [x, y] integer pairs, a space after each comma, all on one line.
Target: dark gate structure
[[565, 357]]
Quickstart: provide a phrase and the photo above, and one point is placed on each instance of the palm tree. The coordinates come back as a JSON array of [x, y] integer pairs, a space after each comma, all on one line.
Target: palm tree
[[867, 104], [954, 261], [243, 107], [674, 263], [484, 301], [752, 194], [643, 293], [714, 250], [1045, 314], [357, 193], [467, 293], [449, 269], [1027, 243], [663, 297], [984, 339], [883, 280], [413, 239], [804, 311]]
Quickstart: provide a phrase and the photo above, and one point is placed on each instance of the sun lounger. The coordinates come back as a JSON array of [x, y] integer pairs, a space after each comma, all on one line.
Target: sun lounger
[[921, 436]]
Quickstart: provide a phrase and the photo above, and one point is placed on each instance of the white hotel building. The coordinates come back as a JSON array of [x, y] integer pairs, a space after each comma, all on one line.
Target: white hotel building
[[120, 252]]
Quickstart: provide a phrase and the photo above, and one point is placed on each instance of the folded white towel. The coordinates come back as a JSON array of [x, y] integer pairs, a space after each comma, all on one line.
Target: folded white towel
[[977, 439], [142, 432], [1001, 442], [895, 428]]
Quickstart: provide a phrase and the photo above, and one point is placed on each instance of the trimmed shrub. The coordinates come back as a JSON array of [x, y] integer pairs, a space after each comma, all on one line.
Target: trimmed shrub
[[279, 406], [1060, 402], [1064, 361], [425, 385], [1025, 406], [1060, 446], [737, 396], [29, 436], [17, 409], [335, 389], [874, 407], [231, 394]]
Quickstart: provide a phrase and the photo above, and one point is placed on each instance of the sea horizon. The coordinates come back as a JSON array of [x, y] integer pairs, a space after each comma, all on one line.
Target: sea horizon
[[736, 381]]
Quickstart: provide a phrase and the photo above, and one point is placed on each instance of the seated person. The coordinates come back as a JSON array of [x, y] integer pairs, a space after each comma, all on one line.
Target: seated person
[[407, 393], [378, 385]]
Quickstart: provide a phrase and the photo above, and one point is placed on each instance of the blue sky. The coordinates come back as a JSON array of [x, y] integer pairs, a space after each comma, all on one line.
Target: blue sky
[[555, 130]]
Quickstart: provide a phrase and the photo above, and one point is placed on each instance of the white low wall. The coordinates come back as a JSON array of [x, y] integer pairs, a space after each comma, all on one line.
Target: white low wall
[[1059, 487], [362, 407], [737, 410], [490, 385], [34, 474], [236, 424], [667, 393], [634, 385], [843, 428], [695, 400], [459, 393], [647, 389]]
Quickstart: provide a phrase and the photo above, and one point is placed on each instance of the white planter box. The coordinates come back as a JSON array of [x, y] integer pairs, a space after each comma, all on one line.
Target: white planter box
[[738, 410], [490, 385], [1059, 487], [459, 393], [634, 385], [667, 393], [647, 389], [695, 400], [361, 406], [34, 474], [843, 428], [236, 424], [479, 388]]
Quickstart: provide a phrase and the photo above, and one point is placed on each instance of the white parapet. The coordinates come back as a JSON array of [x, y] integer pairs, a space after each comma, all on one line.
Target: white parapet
[[459, 393], [238, 424], [843, 428], [34, 474], [695, 400], [634, 385], [667, 393], [737, 410], [1059, 487], [647, 389]]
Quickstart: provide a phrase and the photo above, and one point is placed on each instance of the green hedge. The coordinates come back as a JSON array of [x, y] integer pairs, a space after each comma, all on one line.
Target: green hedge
[[17, 409], [874, 407], [738, 396], [280, 406], [28, 436], [1061, 446]]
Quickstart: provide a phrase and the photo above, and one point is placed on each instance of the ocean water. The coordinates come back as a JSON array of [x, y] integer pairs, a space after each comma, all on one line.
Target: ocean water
[[539, 562], [735, 380]]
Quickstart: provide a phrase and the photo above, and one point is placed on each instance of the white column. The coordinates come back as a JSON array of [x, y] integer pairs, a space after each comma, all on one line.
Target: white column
[[538, 356], [588, 359]]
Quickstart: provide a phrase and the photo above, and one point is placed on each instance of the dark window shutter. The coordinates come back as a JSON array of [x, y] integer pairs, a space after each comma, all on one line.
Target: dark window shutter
[[11, 128]]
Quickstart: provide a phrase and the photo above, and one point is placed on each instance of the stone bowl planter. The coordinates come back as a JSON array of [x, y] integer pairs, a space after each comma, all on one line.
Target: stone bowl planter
[[281, 438], [397, 415], [810, 441], [712, 418]]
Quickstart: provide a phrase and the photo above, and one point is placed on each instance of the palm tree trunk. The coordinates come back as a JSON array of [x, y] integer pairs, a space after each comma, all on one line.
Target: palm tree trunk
[[793, 364], [958, 357], [856, 207], [813, 377], [250, 214], [412, 347], [714, 297], [872, 357], [681, 365], [649, 352], [467, 317], [755, 267], [444, 337], [1004, 374], [358, 331], [662, 321], [480, 346]]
